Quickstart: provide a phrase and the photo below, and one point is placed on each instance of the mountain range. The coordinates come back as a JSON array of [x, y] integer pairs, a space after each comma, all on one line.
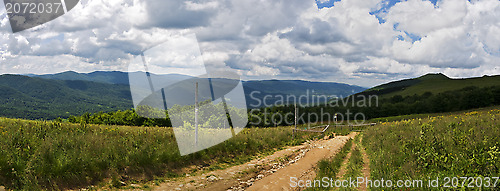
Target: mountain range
[[70, 93]]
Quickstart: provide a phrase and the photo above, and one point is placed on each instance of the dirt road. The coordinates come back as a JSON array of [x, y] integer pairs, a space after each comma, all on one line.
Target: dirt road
[[304, 168], [240, 176], [272, 172]]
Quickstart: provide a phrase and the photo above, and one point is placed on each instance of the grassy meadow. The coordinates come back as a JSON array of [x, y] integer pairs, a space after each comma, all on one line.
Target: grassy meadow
[[458, 145], [53, 155], [447, 147], [37, 155]]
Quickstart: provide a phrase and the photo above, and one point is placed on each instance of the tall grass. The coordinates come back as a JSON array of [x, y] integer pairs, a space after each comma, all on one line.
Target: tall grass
[[355, 164], [38, 155], [462, 145]]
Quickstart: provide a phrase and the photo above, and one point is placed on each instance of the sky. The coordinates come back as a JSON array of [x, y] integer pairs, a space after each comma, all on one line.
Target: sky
[[360, 42]]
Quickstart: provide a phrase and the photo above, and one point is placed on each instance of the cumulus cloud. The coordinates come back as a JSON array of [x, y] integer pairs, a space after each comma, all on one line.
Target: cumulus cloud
[[345, 41], [421, 17], [453, 33], [178, 14]]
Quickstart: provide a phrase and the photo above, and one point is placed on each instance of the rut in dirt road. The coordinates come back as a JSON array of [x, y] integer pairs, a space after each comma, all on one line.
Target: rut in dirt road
[[366, 165], [343, 167], [356, 164]]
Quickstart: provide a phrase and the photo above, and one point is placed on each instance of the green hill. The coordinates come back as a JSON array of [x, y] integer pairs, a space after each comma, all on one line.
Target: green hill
[[433, 83], [433, 93]]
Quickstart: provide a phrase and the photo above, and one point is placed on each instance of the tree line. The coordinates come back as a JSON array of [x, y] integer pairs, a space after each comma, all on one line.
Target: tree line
[[428, 102], [126, 117], [467, 98]]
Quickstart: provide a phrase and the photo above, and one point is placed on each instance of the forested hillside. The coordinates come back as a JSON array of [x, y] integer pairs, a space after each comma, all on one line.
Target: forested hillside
[[35, 98]]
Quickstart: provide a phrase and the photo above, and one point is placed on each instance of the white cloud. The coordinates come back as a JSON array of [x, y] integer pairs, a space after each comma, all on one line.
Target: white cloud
[[284, 39], [421, 17], [457, 34]]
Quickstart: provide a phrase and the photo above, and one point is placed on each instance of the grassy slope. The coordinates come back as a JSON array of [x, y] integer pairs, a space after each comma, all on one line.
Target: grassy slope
[[459, 145], [434, 83], [441, 85]]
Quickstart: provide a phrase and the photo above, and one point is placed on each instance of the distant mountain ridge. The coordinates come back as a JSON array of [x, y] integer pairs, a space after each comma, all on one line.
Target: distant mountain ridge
[[71, 93], [110, 77], [295, 88], [260, 87]]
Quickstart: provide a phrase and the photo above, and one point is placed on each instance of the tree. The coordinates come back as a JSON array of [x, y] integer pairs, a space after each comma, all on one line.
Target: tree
[[476, 98], [496, 95]]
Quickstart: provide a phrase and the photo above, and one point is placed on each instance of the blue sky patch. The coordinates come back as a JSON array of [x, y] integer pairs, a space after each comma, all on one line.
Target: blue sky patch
[[401, 38], [325, 3], [413, 37], [385, 5]]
